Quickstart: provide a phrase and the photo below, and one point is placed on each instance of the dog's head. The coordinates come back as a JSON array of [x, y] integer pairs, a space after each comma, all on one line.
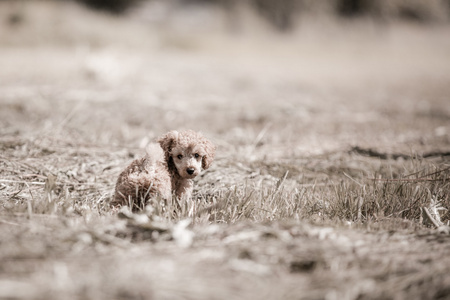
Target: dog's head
[[187, 152]]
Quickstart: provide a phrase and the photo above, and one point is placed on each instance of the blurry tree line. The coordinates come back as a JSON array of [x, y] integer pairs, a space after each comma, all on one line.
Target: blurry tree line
[[283, 13]]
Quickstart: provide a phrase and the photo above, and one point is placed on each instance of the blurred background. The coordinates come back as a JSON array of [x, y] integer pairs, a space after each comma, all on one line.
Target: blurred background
[[314, 75], [284, 14]]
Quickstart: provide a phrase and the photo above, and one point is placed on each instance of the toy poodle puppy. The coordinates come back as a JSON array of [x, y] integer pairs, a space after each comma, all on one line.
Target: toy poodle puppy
[[168, 167]]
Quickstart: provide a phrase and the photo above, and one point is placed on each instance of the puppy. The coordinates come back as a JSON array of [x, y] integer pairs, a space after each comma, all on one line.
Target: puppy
[[167, 168]]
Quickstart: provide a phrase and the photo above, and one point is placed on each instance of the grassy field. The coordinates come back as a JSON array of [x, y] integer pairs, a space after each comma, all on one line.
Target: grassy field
[[332, 173]]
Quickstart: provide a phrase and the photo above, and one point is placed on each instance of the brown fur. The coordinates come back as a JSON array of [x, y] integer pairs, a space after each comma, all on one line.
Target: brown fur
[[168, 167]]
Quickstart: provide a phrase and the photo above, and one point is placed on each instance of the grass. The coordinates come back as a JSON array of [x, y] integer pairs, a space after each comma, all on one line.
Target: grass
[[263, 227], [292, 222], [287, 226], [373, 194]]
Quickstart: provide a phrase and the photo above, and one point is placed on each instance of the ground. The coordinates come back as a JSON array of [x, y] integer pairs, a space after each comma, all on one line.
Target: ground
[[331, 141]]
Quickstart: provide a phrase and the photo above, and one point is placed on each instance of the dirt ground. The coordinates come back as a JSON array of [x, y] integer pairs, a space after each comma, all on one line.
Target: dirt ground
[[304, 120]]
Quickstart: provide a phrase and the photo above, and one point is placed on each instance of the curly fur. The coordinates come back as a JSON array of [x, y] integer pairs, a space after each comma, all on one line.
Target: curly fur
[[168, 167]]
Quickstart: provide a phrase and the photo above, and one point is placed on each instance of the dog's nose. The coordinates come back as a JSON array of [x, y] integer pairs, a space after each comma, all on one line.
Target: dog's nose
[[190, 171]]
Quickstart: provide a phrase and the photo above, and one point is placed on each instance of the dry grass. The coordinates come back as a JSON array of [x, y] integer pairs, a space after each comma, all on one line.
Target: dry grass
[[337, 224], [321, 189]]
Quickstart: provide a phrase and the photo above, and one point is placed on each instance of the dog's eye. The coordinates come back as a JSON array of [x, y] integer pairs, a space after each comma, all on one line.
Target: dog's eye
[[180, 156], [196, 155]]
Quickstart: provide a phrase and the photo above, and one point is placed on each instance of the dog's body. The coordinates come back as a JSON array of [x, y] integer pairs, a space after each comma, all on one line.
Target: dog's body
[[167, 167]]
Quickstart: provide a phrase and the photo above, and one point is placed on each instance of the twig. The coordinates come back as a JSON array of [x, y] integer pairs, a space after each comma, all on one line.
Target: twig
[[354, 180], [430, 217], [15, 194], [434, 173], [423, 178]]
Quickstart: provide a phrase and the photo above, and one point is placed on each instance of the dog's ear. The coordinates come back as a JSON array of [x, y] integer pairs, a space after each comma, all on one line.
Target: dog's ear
[[167, 141], [210, 151]]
